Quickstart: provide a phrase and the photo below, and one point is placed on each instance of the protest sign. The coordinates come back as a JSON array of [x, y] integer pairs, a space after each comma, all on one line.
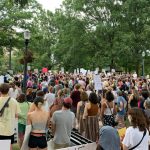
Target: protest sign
[[97, 82]]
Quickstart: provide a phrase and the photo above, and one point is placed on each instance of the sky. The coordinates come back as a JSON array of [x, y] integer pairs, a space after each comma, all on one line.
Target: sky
[[50, 4]]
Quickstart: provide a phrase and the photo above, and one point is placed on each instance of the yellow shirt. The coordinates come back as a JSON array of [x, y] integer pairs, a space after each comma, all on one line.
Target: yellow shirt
[[7, 121]]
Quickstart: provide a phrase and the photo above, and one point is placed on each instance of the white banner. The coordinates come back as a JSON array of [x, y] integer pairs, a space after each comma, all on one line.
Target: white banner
[[97, 82]]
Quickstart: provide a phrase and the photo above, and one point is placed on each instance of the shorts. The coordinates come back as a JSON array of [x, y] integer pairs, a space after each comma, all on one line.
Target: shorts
[[21, 128], [3, 137], [39, 142]]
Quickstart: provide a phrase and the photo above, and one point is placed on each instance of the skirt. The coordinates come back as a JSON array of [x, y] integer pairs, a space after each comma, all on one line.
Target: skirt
[[91, 128], [81, 124], [108, 120]]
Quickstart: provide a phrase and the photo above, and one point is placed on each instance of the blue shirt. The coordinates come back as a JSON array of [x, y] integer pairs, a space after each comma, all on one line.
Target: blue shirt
[[123, 111]]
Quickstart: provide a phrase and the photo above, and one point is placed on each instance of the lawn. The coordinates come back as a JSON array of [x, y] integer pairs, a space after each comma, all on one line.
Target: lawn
[[15, 147]]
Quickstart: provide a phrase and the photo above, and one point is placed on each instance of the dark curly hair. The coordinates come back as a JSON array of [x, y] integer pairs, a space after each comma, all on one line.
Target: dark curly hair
[[109, 96], [93, 98]]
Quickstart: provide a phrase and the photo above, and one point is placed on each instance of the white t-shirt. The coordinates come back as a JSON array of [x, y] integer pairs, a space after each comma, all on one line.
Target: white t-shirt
[[7, 121], [133, 136], [13, 93], [50, 98], [44, 84]]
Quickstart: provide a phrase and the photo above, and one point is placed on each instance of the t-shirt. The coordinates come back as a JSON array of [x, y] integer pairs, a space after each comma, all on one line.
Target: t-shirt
[[44, 84], [50, 97], [7, 121], [64, 120], [109, 138], [24, 107], [121, 99], [133, 136], [13, 93]]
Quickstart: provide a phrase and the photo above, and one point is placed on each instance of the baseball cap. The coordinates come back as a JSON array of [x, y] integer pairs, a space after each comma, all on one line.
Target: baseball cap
[[68, 100]]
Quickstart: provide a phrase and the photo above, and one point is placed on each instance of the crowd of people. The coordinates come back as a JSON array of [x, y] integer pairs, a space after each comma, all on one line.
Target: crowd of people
[[58, 103]]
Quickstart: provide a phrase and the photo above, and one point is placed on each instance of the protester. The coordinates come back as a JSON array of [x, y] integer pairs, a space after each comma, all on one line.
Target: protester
[[39, 120], [134, 98], [62, 124], [39, 93], [22, 117], [29, 95], [137, 134], [75, 95], [50, 97], [13, 91], [145, 95], [121, 110], [9, 112], [108, 139], [90, 115], [58, 103], [147, 107], [108, 109], [80, 111], [66, 90]]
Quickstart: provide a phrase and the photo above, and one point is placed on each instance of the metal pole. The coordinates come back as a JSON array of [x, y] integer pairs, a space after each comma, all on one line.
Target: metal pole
[[25, 67], [143, 69], [10, 55]]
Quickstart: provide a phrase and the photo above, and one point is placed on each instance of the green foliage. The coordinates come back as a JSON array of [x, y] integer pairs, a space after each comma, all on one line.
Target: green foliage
[[81, 34]]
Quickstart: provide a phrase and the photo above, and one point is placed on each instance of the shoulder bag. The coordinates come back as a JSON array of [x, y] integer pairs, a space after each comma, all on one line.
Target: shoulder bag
[[114, 123], [139, 142], [4, 106]]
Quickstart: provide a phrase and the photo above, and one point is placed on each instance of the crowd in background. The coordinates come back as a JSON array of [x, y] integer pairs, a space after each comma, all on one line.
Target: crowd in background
[[57, 103]]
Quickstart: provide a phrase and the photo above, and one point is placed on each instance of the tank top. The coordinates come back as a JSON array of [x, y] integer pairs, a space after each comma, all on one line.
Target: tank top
[[39, 126], [93, 110], [107, 110], [134, 102]]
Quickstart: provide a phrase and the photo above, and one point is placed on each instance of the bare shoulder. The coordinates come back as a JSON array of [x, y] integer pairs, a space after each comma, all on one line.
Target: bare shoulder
[[80, 103], [88, 105]]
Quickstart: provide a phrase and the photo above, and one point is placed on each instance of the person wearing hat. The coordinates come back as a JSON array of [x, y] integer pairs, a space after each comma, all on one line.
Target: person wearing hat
[[62, 124]]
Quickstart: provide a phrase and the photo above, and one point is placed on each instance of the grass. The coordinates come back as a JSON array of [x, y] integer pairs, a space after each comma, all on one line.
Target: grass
[[16, 147]]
